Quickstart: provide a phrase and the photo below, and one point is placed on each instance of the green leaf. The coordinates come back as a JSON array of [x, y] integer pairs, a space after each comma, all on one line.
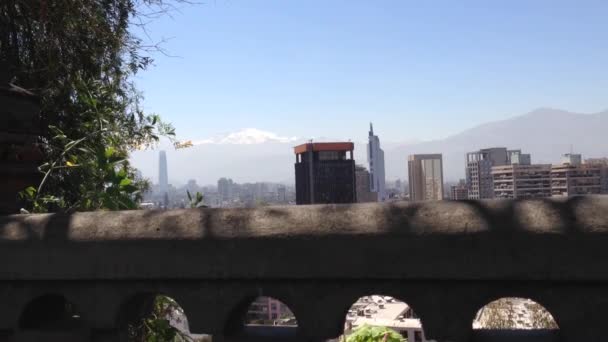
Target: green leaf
[[125, 181], [122, 173], [30, 191], [109, 152]]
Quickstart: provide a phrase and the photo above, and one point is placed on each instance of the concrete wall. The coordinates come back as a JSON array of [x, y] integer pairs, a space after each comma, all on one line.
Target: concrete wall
[[445, 259]]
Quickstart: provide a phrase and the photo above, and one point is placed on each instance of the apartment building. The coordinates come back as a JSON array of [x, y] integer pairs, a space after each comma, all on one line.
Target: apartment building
[[572, 178], [522, 181], [602, 163], [460, 191], [480, 183]]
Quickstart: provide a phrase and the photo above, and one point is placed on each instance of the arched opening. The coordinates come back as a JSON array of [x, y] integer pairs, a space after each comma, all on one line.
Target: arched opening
[[263, 317], [385, 316], [514, 319], [51, 312], [155, 317]]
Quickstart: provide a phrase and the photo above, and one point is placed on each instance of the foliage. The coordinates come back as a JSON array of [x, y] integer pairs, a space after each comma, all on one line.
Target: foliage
[[92, 172], [196, 201], [79, 56], [367, 333], [156, 327]]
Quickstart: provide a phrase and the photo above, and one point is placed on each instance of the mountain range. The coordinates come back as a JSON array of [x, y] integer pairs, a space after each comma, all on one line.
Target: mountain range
[[252, 155]]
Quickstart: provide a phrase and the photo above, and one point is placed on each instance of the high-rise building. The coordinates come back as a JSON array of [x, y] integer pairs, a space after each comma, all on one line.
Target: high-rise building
[[325, 173], [425, 173], [572, 178], [478, 172], [602, 163], [163, 177], [364, 194], [375, 158], [522, 181], [459, 191]]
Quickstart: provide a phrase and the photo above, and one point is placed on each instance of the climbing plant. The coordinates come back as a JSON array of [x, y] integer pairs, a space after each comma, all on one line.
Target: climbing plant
[[79, 57]]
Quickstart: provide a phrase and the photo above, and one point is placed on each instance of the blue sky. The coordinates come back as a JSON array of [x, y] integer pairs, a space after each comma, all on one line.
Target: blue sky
[[419, 70]]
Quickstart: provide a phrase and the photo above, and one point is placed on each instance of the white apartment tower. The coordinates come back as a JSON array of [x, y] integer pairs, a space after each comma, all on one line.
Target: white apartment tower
[[375, 158]]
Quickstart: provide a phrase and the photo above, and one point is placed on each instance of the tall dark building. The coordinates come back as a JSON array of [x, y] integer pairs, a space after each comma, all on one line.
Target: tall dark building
[[325, 173]]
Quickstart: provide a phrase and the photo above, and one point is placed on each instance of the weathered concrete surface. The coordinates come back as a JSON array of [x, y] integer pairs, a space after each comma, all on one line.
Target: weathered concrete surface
[[445, 259]]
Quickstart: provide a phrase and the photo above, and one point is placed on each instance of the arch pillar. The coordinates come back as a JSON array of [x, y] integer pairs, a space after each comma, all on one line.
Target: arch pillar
[[580, 312], [446, 310]]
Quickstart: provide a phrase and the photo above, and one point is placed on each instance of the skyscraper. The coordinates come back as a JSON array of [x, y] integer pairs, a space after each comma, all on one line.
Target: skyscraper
[[375, 158], [479, 171], [163, 177], [325, 173], [425, 173]]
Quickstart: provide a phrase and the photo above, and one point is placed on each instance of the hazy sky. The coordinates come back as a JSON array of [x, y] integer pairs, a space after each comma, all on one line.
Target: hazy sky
[[418, 69]]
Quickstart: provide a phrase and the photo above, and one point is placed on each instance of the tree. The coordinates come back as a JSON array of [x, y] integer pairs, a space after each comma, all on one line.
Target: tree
[[368, 333], [156, 326], [79, 57]]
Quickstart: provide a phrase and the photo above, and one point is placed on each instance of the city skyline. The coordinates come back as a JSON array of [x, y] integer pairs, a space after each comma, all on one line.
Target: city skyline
[[232, 158]]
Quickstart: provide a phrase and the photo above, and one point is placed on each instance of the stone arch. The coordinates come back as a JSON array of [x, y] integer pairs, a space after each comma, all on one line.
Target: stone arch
[[504, 306], [254, 316], [140, 305], [51, 312], [377, 310], [517, 318]]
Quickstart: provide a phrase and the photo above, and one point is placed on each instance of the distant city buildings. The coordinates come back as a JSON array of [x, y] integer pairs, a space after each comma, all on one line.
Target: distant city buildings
[[573, 178], [282, 194], [425, 173], [325, 173], [375, 159], [459, 191], [267, 310], [479, 180], [384, 311], [225, 189], [362, 178], [602, 163]]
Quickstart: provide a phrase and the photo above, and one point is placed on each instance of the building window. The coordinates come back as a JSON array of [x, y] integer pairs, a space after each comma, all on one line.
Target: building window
[[417, 336]]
